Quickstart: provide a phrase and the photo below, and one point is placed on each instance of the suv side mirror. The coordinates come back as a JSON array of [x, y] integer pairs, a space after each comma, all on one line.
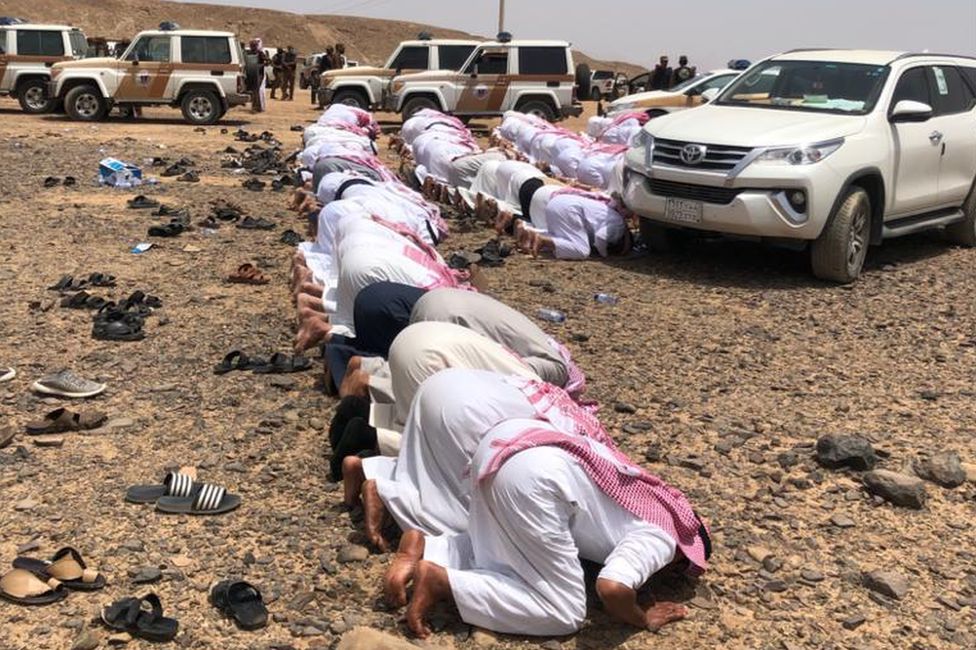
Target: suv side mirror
[[908, 110], [709, 95]]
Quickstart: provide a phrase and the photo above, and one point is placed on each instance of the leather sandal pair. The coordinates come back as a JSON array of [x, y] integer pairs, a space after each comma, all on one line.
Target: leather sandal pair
[[42, 582], [247, 274], [62, 420]]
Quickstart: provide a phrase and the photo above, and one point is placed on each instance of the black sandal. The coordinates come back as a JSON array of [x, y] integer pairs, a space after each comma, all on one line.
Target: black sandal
[[237, 360], [282, 364], [142, 202], [101, 280], [169, 230], [250, 223], [129, 615], [240, 601], [117, 330], [253, 185]]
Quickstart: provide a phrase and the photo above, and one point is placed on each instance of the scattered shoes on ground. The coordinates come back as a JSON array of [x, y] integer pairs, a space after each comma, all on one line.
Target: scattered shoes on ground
[[247, 274], [237, 360], [189, 177], [132, 616], [67, 384], [254, 185], [250, 223], [83, 300], [240, 601], [24, 588], [174, 484], [63, 421], [291, 238], [142, 202], [67, 567], [279, 364], [171, 229]]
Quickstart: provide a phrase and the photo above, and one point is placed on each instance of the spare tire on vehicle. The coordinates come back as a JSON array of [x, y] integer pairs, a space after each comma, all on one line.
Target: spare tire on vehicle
[[583, 79]]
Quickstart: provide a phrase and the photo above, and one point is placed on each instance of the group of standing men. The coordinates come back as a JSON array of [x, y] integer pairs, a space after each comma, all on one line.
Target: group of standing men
[[284, 65], [664, 77]]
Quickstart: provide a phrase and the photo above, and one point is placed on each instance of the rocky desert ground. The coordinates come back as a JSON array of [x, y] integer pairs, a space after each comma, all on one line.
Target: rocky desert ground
[[720, 368]]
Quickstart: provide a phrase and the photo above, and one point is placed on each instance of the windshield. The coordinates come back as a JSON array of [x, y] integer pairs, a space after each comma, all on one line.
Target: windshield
[[815, 86], [79, 44]]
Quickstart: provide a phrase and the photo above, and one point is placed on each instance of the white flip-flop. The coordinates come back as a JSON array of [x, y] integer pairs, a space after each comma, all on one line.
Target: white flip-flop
[[6, 374]]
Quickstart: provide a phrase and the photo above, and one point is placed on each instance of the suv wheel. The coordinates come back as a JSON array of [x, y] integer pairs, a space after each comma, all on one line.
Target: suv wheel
[[964, 232], [538, 108], [352, 98], [201, 107], [416, 104], [661, 239], [32, 95], [85, 103], [838, 254]]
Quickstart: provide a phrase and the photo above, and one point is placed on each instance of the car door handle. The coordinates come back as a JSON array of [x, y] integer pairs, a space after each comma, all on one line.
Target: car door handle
[[935, 137]]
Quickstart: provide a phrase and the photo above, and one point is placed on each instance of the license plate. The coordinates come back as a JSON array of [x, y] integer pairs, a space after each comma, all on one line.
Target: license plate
[[683, 211]]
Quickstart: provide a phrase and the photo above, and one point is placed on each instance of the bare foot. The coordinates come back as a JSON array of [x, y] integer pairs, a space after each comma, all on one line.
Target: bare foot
[[430, 586], [353, 478], [355, 363], [355, 383], [502, 221], [375, 515], [307, 300], [312, 332], [401, 571], [660, 614]]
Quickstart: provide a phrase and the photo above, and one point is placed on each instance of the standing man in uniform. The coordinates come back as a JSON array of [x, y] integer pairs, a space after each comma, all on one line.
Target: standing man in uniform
[[662, 74], [277, 72], [289, 61], [683, 72]]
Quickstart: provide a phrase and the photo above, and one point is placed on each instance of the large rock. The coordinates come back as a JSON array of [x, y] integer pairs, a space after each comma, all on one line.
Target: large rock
[[888, 583], [363, 638], [899, 489], [855, 452], [944, 469]]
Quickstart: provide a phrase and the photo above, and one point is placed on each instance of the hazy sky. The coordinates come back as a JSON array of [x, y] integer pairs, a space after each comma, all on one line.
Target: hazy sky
[[710, 31]]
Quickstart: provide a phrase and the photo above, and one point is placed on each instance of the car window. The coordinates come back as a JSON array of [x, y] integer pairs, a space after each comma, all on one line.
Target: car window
[[913, 86], [153, 49], [205, 49], [412, 58], [542, 60], [969, 74], [950, 94], [489, 63], [452, 57], [718, 81], [816, 86], [35, 42], [79, 44], [603, 74]]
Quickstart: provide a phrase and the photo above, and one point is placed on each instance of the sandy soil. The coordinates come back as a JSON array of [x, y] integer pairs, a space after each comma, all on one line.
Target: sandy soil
[[719, 368]]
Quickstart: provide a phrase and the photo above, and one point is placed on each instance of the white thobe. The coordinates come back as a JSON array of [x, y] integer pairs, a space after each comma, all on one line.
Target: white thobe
[[517, 569], [512, 174], [344, 114], [579, 225], [322, 148], [596, 169], [425, 487]]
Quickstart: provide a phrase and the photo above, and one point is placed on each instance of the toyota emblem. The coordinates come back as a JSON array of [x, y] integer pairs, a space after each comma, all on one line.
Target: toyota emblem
[[693, 154]]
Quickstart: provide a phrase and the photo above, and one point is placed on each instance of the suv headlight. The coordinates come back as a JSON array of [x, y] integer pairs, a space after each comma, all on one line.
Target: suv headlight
[[807, 154], [642, 139], [397, 86]]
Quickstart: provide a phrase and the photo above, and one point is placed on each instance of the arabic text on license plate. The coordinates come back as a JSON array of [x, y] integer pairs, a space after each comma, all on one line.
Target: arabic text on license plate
[[683, 210]]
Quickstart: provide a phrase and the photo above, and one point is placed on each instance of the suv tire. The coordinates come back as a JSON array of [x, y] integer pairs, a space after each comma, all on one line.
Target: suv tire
[[838, 254], [584, 79], [661, 239], [201, 107], [415, 104], [85, 103], [32, 95], [352, 98], [596, 95], [964, 232], [539, 108]]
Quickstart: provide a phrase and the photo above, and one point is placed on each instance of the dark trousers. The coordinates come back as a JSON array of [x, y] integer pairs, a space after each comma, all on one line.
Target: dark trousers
[[381, 311]]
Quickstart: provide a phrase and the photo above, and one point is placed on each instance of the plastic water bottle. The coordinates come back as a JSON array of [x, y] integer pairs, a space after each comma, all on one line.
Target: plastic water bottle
[[606, 299], [551, 315]]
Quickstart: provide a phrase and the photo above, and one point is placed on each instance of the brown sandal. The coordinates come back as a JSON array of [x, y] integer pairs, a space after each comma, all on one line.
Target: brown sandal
[[67, 567], [247, 274], [24, 588], [62, 420]]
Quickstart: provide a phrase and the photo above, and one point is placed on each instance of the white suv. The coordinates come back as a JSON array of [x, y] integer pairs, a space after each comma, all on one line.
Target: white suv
[[535, 77], [199, 72], [27, 53], [836, 148], [365, 87]]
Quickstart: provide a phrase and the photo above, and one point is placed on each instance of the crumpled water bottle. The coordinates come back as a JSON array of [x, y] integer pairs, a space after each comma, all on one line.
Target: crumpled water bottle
[[551, 315], [606, 299]]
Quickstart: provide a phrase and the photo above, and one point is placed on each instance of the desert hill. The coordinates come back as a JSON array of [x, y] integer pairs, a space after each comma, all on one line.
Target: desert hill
[[368, 40]]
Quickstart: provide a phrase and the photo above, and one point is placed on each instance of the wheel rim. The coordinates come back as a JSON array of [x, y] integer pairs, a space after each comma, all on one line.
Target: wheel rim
[[200, 107], [36, 98], [857, 240], [87, 105], [351, 101]]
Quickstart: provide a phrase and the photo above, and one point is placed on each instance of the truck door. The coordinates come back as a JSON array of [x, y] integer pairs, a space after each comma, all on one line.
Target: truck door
[[146, 70], [485, 84]]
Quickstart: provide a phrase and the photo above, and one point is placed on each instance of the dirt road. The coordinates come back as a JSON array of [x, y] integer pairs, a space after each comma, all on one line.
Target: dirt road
[[719, 368]]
